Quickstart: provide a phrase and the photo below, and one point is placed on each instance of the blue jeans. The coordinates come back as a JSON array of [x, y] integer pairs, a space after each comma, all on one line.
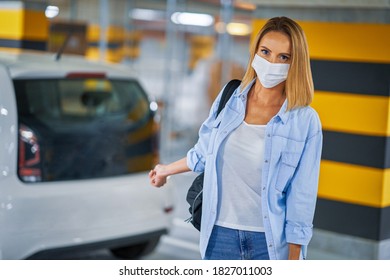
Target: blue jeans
[[233, 244]]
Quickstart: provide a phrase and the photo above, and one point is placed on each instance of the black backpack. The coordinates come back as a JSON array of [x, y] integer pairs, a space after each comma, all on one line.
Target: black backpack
[[195, 192]]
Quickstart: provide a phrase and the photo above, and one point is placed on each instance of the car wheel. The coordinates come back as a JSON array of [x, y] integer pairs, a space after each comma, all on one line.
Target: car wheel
[[135, 251]]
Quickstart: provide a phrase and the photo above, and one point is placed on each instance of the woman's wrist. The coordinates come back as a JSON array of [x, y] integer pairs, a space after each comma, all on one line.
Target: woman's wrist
[[162, 170], [168, 170], [176, 167]]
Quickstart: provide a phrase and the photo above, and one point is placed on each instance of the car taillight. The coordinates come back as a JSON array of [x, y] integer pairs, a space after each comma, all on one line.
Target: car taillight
[[86, 75], [29, 155]]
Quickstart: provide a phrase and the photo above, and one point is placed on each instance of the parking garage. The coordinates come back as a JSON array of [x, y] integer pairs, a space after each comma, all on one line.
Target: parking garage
[[95, 93]]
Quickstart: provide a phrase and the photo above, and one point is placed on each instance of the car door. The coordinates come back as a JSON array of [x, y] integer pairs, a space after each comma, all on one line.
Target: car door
[[8, 138]]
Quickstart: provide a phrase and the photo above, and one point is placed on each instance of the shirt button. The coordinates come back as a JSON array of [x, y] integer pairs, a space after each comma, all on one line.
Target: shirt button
[[265, 217], [269, 135], [263, 188], [266, 161], [270, 245]]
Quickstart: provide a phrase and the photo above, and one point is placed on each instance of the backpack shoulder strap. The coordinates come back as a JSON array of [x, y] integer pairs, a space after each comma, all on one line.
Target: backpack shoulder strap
[[227, 93]]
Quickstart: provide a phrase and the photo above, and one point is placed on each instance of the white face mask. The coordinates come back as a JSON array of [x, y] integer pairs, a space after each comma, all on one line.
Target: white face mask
[[270, 74]]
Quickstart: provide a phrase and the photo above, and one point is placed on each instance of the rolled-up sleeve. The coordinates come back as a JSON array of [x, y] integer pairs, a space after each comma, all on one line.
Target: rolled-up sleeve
[[196, 157], [301, 196]]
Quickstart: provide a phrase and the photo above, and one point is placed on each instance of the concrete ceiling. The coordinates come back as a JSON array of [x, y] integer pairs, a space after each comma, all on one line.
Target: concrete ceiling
[[322, 3]]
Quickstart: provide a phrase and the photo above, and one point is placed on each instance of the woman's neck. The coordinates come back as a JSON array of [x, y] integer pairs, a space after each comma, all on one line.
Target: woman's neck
[[268, 96]]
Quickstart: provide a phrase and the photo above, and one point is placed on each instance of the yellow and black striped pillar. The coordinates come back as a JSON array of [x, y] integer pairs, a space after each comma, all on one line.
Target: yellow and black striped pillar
[[23, 25], [115, 43], [351, 71], [132, 48]]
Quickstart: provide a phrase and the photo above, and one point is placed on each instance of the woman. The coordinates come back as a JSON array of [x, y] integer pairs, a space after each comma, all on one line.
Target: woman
[[260, 155]]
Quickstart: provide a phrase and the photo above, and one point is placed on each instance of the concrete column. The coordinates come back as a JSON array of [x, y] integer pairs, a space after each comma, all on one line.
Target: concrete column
[[104, 18], [224, 40], [168, 98]]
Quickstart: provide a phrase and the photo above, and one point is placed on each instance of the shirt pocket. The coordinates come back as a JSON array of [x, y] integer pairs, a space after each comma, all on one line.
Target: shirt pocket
[[288, 164], [213, 135]]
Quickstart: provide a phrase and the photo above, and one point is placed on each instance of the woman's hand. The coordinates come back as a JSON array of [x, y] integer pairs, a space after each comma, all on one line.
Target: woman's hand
[[158, 176]]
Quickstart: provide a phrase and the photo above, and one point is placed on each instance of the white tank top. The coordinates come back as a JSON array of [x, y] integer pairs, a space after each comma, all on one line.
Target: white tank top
[[240, 163]]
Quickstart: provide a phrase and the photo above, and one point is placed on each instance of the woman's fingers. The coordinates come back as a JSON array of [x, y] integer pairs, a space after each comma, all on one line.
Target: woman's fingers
[[155, 176], [152, 177], [155, 180], [152, 173]]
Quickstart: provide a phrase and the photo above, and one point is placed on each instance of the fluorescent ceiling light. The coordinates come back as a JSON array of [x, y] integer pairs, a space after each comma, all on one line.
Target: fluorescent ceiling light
[[146, 14], [192, 19], [52, 11], [238, 29], [245, 6]]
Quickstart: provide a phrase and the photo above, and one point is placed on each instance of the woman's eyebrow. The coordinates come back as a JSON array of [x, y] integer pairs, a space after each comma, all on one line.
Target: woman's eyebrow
[[265, 48]]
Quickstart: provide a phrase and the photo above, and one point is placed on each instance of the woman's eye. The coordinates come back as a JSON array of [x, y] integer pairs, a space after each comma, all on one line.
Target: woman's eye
[[284, 57], [265, 52]]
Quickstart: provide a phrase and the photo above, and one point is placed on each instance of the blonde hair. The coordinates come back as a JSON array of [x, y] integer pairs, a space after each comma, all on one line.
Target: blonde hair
[[299, 84]]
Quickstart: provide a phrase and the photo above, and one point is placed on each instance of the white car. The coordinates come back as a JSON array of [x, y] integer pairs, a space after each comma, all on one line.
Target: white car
[[77, 140]]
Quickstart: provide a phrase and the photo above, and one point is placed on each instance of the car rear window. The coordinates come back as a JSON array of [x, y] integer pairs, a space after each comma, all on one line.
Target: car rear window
[[83, 128]]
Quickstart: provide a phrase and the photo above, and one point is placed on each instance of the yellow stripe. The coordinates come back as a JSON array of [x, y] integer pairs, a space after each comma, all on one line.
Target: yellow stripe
[[344, 41], [36, 25], [353, 113], [386, 188], [354, 184], [23, 24], [92, 53], [11, 24], [93, 33], [113, 34], [11, 50], [348, 41], [114, 55]]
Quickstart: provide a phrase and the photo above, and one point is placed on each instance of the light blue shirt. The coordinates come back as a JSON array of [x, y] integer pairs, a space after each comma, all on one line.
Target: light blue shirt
[[292, 155]]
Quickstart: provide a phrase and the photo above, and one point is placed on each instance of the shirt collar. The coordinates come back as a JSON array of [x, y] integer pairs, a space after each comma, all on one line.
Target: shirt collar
[[283, 114]]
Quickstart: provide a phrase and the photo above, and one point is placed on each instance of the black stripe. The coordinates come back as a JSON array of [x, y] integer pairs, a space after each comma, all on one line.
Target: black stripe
[[356, 220], [351, 77], [23, 44], [112, 45], [68, 29], [371, 151]]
